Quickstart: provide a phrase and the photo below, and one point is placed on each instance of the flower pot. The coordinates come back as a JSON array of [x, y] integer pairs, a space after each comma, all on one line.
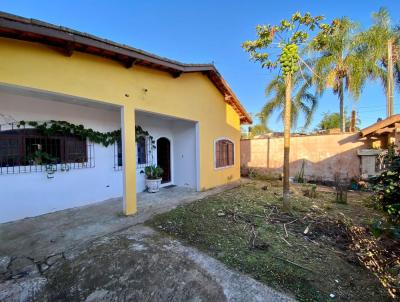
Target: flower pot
[[153, 185]]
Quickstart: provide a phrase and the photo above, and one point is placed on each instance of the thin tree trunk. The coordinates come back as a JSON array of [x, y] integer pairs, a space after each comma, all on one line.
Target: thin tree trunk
[[341, 99], [286, 139], [389, 90]]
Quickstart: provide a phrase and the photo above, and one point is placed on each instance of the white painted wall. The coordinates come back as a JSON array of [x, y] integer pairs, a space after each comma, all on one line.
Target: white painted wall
[[31, 194], [157, 127], [182, 135], [185, 153]]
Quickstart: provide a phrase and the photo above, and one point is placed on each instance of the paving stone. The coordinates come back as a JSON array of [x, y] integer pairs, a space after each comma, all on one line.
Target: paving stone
[[21, 267], [53, 259], [4, 262], [24, 289]]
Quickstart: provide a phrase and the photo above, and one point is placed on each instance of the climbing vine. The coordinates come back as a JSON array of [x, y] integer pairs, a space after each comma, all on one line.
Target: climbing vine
[[62, 127]]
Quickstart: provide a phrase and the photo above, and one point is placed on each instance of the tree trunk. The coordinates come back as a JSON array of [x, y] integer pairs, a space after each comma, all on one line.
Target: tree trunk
[[389, 90], [341, 99], [286, 139]]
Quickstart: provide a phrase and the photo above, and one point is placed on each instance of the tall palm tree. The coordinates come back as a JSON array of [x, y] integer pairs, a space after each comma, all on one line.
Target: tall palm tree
[[381, 44], [303, 101], [338, 64]]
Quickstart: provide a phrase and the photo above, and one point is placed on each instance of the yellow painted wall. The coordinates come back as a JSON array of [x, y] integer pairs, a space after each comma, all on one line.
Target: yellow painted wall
[[191, 96]]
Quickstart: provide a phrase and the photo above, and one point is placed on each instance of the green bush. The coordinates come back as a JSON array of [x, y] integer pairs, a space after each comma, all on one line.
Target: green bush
[[387, 188], [153, 172]]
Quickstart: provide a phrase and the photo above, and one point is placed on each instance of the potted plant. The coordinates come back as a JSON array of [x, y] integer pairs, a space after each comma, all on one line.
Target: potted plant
[[153, 178]]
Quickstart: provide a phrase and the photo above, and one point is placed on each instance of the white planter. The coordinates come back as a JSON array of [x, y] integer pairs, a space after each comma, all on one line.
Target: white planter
[[153, 185]]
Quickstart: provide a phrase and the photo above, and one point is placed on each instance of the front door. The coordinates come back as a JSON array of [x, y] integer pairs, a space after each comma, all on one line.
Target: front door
[[164, 158]]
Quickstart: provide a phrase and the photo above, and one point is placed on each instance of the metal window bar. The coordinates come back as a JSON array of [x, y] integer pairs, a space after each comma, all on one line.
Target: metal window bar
[[23, 149], [144, 154], [118, 156]]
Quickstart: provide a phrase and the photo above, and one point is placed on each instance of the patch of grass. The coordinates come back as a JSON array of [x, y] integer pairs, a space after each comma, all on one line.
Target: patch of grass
[[306, 253]]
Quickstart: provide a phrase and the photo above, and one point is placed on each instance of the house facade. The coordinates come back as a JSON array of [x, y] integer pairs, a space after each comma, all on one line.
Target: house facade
[[135, 109]]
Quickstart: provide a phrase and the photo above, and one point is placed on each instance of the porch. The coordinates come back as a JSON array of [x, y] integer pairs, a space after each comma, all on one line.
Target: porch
[[44, 173]]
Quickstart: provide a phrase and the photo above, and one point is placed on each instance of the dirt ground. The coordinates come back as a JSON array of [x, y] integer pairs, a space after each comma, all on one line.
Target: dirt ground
[[137, 264], [94, 253], [321, 251]]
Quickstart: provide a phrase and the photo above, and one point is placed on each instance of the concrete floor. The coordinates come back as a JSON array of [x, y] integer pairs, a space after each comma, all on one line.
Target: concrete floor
[[55, 232], [94, 253]]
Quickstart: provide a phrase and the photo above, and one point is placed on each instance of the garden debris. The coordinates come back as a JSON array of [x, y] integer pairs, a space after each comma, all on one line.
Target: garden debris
[[380, 256], [286, 232], [307, 230], [293, 263], [254, 232], [287, 242]]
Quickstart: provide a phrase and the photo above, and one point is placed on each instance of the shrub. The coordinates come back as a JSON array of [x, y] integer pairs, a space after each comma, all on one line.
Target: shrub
[[263, 174], [387, 188], [153, 172]]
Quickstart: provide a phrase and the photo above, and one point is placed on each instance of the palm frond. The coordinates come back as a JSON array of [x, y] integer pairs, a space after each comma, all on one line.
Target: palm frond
[[303, 101]]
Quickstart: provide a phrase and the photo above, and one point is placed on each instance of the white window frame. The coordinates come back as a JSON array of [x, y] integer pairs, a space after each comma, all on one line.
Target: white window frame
[[215, 153]]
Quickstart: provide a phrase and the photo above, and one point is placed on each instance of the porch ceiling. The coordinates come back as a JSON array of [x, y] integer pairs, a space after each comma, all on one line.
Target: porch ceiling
[[56, 97]]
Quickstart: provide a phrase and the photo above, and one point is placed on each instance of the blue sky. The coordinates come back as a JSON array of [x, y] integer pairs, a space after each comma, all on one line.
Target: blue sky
[[210, 31]]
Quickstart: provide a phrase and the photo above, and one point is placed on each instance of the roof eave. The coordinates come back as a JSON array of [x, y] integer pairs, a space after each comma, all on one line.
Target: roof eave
[[381, 124], [17, 27]]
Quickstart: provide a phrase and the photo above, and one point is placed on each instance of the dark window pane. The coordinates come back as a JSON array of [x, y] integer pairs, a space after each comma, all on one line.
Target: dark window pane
[[30, 147], [9, 150], [75, 149], [141, 150], [119, 155], [42, 150]]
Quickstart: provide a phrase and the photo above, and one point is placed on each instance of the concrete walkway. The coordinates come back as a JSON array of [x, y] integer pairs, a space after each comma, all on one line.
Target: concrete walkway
[[94, 253], [56, 232]]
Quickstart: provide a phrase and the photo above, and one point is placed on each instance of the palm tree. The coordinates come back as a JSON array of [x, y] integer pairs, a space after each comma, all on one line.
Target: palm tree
[[381, 44], [338, 64], [303, 101]]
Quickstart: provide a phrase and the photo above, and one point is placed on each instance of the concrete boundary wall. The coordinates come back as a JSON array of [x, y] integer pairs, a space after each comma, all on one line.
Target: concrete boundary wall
[[324, 156]]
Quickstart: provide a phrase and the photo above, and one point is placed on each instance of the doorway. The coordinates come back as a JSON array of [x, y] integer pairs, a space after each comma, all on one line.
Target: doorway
[[164, 158]]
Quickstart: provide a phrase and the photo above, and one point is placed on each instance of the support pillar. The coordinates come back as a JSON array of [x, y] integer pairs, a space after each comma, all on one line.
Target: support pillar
[[129, 158]]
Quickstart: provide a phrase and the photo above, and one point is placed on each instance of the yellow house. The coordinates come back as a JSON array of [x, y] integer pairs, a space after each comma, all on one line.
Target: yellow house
[[182, 117]]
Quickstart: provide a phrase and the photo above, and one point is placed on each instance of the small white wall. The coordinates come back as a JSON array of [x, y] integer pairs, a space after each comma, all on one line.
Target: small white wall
[[157, 127], [185, 153], [182, 136], [30, 194]]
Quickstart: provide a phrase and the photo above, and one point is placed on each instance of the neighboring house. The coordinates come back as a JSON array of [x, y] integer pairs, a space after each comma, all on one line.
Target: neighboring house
[[52, 73], [379, 137], [383, 133]]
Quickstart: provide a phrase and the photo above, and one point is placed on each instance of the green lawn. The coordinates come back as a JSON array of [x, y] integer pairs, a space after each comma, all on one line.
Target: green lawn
[[318, 250]]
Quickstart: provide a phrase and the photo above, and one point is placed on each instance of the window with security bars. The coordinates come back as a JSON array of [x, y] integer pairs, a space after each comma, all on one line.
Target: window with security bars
[[28, 150], [144, 154], [224, 153]]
